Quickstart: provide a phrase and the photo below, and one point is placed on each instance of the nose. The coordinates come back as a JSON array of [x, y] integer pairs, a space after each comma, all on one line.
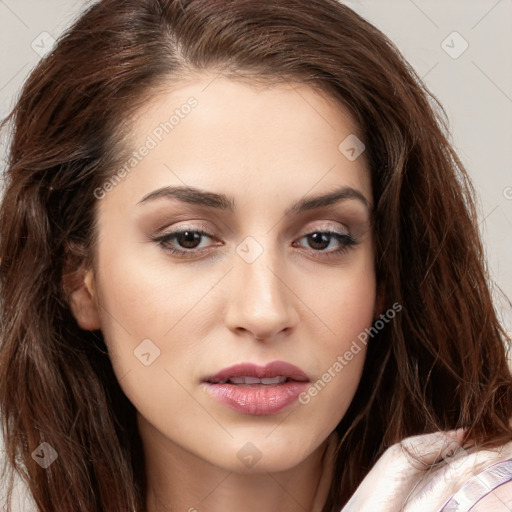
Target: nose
[[262, 304]]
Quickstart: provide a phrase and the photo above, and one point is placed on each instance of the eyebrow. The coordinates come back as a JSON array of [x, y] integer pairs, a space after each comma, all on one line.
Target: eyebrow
[[199, 197]]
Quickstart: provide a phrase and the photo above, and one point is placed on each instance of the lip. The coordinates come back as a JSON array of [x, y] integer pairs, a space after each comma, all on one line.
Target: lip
[[257, 399], [273, 369]]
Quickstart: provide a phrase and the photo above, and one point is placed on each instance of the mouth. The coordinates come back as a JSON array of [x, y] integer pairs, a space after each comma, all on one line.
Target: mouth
[[249, 374], [253, 381], [257, 390], [274, 373]]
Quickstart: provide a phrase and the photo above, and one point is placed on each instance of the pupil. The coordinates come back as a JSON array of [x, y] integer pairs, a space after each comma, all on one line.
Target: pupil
[[189, 239], [319, 238]]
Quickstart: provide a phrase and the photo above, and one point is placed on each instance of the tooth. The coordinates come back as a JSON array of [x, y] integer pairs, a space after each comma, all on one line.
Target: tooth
[[273, 380], [238, 380], [252, 380], [255, 380]]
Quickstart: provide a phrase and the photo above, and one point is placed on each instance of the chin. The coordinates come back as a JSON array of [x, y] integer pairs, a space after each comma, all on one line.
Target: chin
[[263, 454]]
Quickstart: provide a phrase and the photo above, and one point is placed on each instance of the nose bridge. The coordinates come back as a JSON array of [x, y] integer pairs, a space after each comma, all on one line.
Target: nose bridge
[[261, 301]]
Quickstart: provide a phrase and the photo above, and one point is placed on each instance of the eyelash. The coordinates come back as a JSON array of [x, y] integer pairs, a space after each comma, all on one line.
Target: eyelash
[[347, 241]]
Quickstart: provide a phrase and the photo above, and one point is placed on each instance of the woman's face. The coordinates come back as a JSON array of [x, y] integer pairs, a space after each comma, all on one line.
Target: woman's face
[[266, 282]]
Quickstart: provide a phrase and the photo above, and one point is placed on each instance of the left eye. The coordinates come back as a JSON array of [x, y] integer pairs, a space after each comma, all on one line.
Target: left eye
[[321, 240]]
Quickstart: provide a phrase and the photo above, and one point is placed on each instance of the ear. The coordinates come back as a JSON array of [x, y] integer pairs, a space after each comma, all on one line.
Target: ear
[[81, 295]]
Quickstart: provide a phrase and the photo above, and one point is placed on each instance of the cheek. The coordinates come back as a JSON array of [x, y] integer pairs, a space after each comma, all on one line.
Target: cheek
[[144, 308], [349, 305], [344, 303], [346, 312], [155, 315], [145, 296], [153, 320]]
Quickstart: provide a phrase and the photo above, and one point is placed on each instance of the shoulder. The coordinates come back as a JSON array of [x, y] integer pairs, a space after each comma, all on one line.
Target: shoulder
[[498, 500], [483, 480], [433, 472]]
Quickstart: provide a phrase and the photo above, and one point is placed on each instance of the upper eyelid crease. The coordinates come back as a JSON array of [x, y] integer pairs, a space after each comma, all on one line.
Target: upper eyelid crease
[[220, 201]]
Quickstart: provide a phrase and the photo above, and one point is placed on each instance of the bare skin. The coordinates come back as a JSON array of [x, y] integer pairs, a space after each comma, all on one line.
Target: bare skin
[[298, 301]]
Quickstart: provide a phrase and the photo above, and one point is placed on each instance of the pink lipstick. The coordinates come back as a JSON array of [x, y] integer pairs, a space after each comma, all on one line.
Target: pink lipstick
[[257, 390]]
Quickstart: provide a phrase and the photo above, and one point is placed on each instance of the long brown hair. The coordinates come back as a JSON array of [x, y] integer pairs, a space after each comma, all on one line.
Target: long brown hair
[[440, 364]]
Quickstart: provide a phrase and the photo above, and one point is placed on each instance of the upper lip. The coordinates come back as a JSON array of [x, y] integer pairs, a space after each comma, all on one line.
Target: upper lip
[[273, 369]]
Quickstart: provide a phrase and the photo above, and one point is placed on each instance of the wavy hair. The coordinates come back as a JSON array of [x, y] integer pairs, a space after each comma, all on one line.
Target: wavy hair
[[440, 364]]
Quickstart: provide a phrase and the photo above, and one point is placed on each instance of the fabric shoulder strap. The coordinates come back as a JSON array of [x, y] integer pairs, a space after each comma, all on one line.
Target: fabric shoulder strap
[[479, 486]]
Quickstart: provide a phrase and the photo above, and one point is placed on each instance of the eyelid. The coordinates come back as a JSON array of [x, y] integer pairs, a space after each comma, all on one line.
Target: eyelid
[[346, 239], [186, 225], [200, 226], [326, 225]]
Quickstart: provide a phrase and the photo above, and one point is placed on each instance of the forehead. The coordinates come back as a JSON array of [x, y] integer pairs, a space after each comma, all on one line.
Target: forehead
[[216, 132]]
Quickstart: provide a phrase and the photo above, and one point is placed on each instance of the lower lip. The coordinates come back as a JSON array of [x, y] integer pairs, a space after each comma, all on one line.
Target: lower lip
[[257, 399]]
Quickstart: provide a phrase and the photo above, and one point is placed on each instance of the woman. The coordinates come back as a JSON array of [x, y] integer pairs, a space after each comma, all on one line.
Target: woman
[[240, 268]]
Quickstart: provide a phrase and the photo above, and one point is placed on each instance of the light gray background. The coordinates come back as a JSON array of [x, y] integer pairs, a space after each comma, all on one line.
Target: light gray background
[[475, 88]]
